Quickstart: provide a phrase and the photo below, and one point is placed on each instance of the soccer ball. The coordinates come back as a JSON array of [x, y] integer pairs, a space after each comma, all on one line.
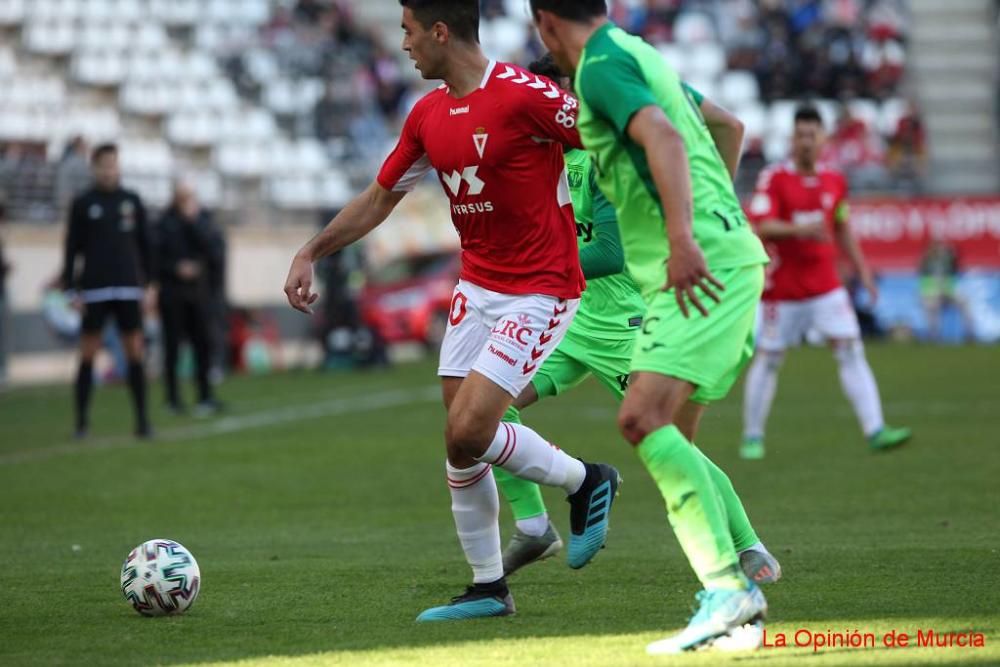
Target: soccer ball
[[160, 577]]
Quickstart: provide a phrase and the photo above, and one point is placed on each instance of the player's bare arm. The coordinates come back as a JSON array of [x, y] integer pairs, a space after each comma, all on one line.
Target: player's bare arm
[[363, 214], [727, 132], [668, 162], [848, 244], [777, 230]]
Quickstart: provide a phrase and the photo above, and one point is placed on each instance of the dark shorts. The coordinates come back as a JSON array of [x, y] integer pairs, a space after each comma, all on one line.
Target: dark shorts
[[127, 314]]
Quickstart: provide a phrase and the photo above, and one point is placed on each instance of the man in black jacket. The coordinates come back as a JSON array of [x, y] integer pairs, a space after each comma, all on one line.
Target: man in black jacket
[[189, 257], [107, 230]]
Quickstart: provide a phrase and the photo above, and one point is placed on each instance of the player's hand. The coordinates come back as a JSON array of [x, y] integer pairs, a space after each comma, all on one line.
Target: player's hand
[[299, 283], [687, 270], [870, 286], [815, 231]]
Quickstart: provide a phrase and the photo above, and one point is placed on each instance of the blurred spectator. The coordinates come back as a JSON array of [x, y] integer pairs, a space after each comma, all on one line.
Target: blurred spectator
[[188, 259], [73, 174], [907, 157], [856, 150], [939, 271], [4, 270]]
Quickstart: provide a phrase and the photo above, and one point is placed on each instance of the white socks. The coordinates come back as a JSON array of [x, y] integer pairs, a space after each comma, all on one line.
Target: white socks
[[523, 453], [475, 505], [758, 394], [859, 386], [534, 526]]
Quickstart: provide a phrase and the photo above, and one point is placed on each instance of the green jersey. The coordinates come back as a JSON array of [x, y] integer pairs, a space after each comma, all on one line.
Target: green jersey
[[618, 75], [611, 306]]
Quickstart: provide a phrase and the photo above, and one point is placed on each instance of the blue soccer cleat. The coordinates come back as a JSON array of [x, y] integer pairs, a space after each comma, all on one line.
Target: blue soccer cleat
[[590, 509], [478, 601], [721, 613]]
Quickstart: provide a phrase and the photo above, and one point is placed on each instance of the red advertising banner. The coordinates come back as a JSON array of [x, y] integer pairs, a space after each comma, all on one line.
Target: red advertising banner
[[894, 233]]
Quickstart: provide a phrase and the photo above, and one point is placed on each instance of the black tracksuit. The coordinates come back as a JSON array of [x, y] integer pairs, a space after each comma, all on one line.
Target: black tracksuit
[[185, 303], [108, 231]]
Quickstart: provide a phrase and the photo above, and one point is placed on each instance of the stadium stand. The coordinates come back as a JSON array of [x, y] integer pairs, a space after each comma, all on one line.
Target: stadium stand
[[291, 103]]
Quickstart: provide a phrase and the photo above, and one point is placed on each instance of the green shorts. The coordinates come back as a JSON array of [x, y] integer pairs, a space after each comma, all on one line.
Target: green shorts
[[709, 352], [578, 357]]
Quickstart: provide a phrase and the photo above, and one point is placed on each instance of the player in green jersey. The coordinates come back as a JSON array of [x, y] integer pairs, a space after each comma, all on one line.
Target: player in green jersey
[[658, 165], [600, 343]]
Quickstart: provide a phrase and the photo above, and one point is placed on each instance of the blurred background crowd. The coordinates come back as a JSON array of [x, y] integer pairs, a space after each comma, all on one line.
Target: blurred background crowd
[[276, 111]]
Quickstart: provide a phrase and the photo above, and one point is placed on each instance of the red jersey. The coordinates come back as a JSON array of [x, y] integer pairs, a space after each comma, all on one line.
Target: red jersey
[[800, 268], [498, 153]]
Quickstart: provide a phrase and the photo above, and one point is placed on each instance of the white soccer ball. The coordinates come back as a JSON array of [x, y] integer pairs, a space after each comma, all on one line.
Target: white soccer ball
[[160, 577]]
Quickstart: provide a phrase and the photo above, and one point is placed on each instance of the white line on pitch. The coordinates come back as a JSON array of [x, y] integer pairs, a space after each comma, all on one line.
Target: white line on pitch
[[236, 423]]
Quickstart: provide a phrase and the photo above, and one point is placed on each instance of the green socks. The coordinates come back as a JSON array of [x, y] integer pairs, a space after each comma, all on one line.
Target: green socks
[[525, 497], [740, 529], [694, 508]]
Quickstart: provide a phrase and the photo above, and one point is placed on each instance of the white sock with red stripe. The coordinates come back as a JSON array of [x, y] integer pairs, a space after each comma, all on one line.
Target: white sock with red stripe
[[525, 454], [475, 504]]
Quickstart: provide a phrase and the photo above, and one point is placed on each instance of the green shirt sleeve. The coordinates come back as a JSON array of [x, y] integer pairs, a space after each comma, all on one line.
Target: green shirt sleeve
[[616, 89], [695, 95]]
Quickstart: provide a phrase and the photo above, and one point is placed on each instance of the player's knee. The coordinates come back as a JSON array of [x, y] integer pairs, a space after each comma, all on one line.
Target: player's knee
[[848, 351], [468, 435], [633, 426], [773, 360]]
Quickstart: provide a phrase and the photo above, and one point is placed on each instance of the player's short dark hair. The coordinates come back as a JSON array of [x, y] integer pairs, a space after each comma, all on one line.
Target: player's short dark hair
[[101, 150], [546, 66], [461, 16], [573, 10], [807, 113]]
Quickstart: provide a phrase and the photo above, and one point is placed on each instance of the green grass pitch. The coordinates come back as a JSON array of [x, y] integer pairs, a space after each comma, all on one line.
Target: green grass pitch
[[318, 513]]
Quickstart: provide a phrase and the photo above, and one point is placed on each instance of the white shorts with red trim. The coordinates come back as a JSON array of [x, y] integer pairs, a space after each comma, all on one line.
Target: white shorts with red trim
[[506, 337], [784, 324]]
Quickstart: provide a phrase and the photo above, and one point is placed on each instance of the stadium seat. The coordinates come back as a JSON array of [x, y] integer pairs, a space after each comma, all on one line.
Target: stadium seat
[[241, 160], [830, 110], [704, 85], [754, 118], [781, 116], [334, 189], [692, 27], [12, 12], [706, 60], [676, 56], [295, 192], [196, 128], [262, 65], [776, 147], [8, 63], [220, 94], [866, 110], [738, 89], [49, 38], [98, 68], [175, 13], [892, 110]]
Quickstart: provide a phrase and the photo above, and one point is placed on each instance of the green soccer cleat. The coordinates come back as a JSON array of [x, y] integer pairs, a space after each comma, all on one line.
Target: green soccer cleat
[[478, 601], [889, 438], [524, 549], [721, 613], [752, 449], [589, 514]]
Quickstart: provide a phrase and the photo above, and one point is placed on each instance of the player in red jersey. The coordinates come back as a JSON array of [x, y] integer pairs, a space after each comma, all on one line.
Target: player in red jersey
[[494, 133], [800, 209]]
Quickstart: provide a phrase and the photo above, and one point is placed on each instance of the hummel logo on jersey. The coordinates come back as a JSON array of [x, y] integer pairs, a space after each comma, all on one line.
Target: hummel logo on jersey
[[454, 180], [458, 111]]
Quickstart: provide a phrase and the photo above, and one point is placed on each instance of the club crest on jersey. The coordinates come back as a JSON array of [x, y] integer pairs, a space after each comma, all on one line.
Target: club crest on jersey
[[827, 200], [479, 138]]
